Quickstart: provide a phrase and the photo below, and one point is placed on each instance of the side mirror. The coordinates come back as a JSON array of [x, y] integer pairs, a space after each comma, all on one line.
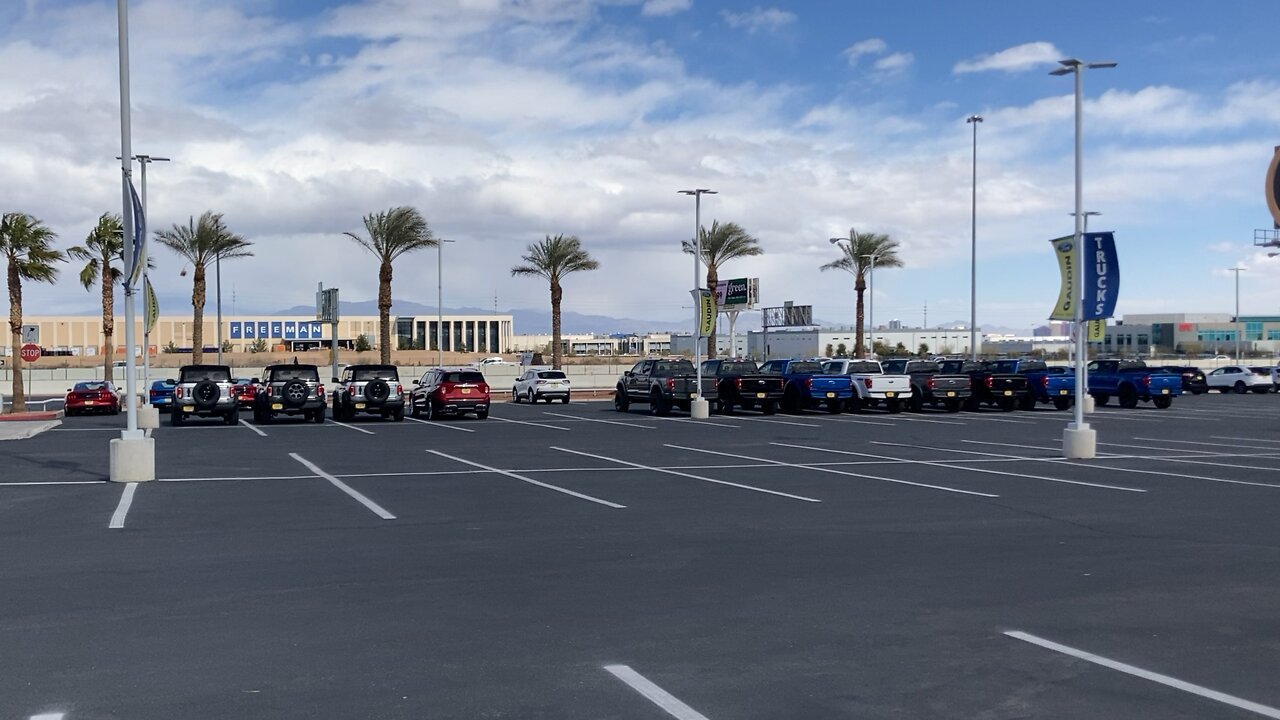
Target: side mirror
[[256, 381], [335, 380], [627, 374], [68, 389], [171, 381], [417, 382]]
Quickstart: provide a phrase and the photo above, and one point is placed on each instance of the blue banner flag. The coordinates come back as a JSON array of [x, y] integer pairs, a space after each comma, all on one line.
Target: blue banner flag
[[139, 238], [264, 330], [290, 330], [277, 329], [317, 330], [1101, 275], [248, 329], [235, 331]]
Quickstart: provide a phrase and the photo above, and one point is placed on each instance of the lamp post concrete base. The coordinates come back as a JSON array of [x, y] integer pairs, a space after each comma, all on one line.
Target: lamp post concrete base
[[700, 409], [1087, 403], [148, 417], [133, 459], [1079, 442]]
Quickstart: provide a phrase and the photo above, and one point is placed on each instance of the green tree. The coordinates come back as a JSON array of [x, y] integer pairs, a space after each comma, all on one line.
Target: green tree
[[900, 349], [553, 258], [923, 350], [721, 244], [226, 346], [103, 255], [202, 242], [880, 349], [26, 243], [258, 345], [856, 260], [170, 348], [831, 350], [390, 235], [842, 350], [362, 343]]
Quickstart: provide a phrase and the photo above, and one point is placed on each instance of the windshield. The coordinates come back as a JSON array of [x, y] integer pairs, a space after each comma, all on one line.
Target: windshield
[[952, 367], [737, 368], [805, 368], [295, 372], [675, 367], [1009, 366], [871, 368], [895, 367], [198, 374], [551, 375], [379, 372]]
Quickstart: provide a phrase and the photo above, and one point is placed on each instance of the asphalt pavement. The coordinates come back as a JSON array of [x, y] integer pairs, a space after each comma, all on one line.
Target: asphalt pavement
[[569, 561]]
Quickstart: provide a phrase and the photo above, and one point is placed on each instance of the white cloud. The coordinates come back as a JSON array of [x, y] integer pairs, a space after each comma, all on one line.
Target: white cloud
[[895, 62], [659, 8], [1014, 59], [759, 19], [870, 46]]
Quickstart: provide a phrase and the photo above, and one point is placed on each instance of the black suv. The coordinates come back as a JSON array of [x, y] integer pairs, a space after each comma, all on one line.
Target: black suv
[[204, 391], [371, 389], [1193, 379], [289, 390]]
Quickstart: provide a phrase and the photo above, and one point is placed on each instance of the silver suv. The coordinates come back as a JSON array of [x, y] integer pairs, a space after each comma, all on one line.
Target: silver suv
[[289, 390], [204, 391], [371, 389]]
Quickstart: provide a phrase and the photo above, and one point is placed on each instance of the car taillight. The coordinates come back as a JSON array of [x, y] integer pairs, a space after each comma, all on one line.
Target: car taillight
[[177, 392], [867, 382], [484, 388], [351, 390], [399, 389], [1044, 381], [738, 383], [808, 383], [320, 390], [989, 381], [539, 382], [1146, 380], [671, 383], [931, 383]]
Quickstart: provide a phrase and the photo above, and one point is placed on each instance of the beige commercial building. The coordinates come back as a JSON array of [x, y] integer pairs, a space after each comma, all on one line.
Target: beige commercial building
[[81, 335]]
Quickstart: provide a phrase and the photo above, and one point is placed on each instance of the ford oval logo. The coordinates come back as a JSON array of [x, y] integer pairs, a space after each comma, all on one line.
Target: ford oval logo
[[1064, 247]]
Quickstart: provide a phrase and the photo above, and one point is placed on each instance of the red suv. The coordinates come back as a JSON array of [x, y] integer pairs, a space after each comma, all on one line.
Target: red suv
[[450, 391]]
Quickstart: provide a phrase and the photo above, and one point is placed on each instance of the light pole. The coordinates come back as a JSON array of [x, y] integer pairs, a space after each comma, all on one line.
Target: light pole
[[1084, 395], [440, 301], [217, 274], [1079, 441], [1237, 271], [871, 305], [973, 120], [144, 161], [698, 408]]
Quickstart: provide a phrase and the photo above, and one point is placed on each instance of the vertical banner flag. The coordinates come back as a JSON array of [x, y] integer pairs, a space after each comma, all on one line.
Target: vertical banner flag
[[139, 239], [706, 301], [277, 329], [264, 330], [1101, 275], [235, 331], [153, 305], [1063, 247], [1097, 330], [250, 330]]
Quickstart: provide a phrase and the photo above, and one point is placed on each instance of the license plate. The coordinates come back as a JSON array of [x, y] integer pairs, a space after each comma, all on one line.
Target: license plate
[[1008, 392], [359, 406], [1063, 392], [1164, 391], [88, 402], [277, 406], [760, 395], [831, 395], [951, 393], [466, 391], [890, 394], [188, 408]]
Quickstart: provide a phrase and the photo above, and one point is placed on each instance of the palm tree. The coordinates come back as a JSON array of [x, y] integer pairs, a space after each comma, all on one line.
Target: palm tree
[[856, 261], [719, 245], [553, 258], [102, 248], [202, 242], [24, 242], [391, 234]]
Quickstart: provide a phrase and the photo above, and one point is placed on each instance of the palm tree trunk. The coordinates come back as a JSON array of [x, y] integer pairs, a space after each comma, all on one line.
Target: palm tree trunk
[[860, 350], [557, 294], [18, 403], [197, 317], [384, 312], [713, 276], [108, 319]]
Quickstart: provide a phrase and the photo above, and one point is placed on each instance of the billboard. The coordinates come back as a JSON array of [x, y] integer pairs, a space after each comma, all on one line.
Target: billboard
[[788, 316], [737, 294]]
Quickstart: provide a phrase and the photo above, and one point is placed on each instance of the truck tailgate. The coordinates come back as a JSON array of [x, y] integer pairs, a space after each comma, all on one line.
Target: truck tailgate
[[944, 383], [827, 383], [885, 383]]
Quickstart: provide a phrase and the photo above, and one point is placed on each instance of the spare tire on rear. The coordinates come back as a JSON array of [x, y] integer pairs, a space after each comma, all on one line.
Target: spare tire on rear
[[376, 391], [206, 394], [294, 393]]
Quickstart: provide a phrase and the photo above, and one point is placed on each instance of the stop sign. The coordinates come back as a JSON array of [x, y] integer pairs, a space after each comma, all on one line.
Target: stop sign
[[30, 352]]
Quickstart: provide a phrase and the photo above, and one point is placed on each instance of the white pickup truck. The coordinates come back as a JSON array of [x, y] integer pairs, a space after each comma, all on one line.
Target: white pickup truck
[[871, 386]]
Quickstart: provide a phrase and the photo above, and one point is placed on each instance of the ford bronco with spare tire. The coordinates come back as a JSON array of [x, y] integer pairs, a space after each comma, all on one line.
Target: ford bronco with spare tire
[[204, 391], [289, 390], [369, 389]]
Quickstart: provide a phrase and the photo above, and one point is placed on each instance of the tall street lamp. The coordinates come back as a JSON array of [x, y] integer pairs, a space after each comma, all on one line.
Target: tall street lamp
[[871, 304], [699, 407], [1237, 271], [440, 301], [1084, 394], [144, 161], [974, 120], [1079, 441], [217, 274]]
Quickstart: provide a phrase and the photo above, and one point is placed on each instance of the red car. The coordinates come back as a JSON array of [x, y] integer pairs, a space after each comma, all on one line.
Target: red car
[[244, 391], [93, 396]]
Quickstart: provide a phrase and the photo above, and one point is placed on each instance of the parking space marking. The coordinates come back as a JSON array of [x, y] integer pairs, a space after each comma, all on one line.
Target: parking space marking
[[253, 428], [691, 476], [349, 427], [956, 466], [971, 415], [373, 506], [837, 472], [927, 420], [1155, 677], [1194, 442], [597, 420], [531, 481], [434, 423], [252, 477], [775, 422], [696, 422], [526, 422], [49, 716], [122, 509], [53, 482], [654, 694], [1221, 437], [853, 421]]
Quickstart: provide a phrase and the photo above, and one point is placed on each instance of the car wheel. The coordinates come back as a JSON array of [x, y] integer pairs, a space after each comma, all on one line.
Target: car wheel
[[564, 400], [397, 415], [621, 402], [1101, 400], [318, 417], [917, 402], [415, 409], [430, 410], [376, 391], [232, 418], [1028, 402], [894, 406], [1162, 402], [1061, 403], [482, 414], [791, 401], [854, 404], [658, 404], [515, 396], [1128, 397], [176, 417], [1240, 387]]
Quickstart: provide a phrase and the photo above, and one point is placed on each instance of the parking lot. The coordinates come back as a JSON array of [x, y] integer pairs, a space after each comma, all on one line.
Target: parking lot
[[569, 561]]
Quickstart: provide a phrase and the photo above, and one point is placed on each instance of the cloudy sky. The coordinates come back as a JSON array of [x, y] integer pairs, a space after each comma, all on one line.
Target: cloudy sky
[[505, 120]]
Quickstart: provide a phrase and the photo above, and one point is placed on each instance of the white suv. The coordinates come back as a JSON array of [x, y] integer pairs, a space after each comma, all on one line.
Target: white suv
[[1239, 379], [535, 385]]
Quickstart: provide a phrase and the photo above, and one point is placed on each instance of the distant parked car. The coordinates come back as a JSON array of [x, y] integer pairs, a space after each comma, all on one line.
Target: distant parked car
[[244, 390], [450, 391], [1272, 372], [1240, 379], [535, 385], [96, 396], [1192, 378], [204, 391], [495, 361], [368, 389], [160, 394]]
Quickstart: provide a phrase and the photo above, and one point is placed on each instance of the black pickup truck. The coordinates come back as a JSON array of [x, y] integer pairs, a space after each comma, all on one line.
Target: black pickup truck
[[740, 384], [996, 389], [662, 384], [930, 385]]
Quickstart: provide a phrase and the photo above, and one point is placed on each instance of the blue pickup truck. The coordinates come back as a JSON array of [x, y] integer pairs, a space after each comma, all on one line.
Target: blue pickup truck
[[1045, 384], [807, 385], [1131, 381]]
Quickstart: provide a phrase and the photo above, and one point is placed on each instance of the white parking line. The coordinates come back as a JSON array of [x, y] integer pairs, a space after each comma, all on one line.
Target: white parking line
[[956, 466], [987, 418], [596, 420], [526, 422], [122, 509], [712, 423], [350, 427], [253, 428], [255, 477], [53, 482], [854, 421], [531, 481], [433, 423], [775, 422], [927, 420], [49, 716], [1222, 437], [1155, 677], [1194, 442], [689, 475], [373, 506], [654, 694], [836, 472]]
